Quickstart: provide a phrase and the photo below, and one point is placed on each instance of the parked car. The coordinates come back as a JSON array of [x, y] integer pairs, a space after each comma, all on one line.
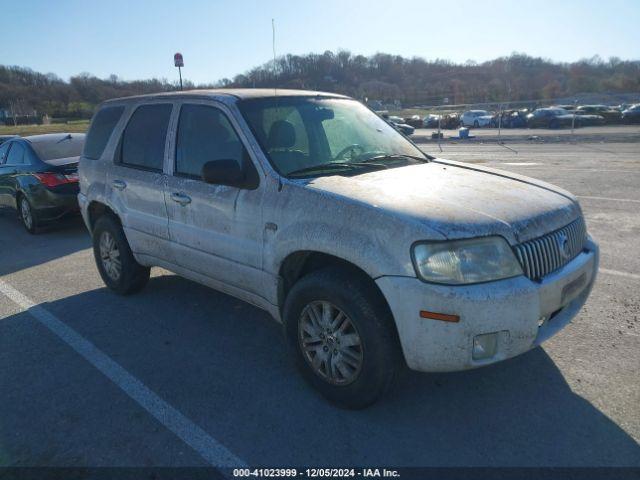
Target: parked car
[[476, 118], [399, 125], [310, 206], [554, 117], [450, 120], [611, 115], [39, 177], [631, 114], [431, 120], [414, 121], [510, 119]]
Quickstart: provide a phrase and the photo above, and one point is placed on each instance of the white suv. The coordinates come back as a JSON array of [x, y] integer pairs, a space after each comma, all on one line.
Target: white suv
[[310, 206]]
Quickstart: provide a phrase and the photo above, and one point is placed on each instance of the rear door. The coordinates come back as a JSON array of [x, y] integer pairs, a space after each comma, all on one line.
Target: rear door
[[216, 230], [11, 164], [135, 183]]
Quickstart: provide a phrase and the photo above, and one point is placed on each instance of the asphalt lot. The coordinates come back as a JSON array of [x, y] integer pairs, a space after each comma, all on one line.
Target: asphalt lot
[[188, 375]]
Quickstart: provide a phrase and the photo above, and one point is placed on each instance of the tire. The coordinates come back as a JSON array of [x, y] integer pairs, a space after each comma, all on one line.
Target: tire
[[116, 264], [364, 308], [476, 124], [27, 215]]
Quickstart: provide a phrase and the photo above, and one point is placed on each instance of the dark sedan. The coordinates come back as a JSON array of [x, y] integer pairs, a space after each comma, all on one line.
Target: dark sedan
[[554, 117], [631, 114], [611, 115], [39, 177]]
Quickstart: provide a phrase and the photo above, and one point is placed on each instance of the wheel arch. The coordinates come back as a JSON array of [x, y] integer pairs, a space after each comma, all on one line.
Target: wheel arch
[[97, 209]]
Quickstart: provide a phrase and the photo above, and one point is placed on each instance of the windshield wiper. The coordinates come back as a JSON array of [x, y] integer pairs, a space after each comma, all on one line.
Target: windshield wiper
[[397, 156], [336, 166]]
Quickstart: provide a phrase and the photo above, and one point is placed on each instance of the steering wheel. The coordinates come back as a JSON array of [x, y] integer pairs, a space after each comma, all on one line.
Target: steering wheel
[[350, 148]]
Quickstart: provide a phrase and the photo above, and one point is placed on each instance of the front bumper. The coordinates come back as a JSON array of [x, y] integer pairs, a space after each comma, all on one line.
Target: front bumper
[[510, 308]]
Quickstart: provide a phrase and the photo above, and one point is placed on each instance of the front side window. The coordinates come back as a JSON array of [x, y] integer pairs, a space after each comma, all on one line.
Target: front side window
[[16, 154], [204, 135], [144, 138], [302, 133]]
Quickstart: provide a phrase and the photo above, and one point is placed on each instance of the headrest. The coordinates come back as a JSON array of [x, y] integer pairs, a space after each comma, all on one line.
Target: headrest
[[282, 135]]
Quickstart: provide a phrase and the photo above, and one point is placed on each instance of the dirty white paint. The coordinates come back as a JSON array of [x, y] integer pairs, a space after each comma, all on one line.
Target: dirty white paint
[[237, 240]]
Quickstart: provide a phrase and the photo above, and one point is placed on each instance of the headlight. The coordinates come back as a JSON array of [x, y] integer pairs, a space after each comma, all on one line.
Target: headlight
[[465, 261]]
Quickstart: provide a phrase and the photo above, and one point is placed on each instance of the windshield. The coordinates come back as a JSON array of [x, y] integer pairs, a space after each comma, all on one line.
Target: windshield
[[61, 147], [300, 133]]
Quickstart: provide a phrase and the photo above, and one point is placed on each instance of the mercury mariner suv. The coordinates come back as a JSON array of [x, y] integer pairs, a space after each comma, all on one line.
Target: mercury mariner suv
[[308, 205]]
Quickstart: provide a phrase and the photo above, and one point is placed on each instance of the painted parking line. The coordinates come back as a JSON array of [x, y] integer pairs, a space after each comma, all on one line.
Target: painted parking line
[[610, 199], [618, 273], [212, 451]]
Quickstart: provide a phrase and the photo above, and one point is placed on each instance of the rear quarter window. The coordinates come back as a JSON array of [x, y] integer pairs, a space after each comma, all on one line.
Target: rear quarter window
[[101, 129]]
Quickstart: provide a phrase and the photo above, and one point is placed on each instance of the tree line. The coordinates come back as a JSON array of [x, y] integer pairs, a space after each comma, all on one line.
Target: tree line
[[383, 77]]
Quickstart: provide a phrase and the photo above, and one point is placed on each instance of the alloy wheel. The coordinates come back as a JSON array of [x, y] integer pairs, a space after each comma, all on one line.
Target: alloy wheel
[[110, 256], [330, 343], [25, 212]]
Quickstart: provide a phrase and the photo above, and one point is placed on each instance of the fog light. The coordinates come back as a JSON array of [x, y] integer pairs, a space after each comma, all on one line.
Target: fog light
[[485, 346]]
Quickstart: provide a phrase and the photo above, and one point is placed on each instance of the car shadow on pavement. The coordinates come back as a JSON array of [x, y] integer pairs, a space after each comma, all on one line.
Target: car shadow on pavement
[[20, 250], [223, 364]]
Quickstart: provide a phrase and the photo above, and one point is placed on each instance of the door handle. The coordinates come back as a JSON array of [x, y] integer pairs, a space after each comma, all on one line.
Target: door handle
[[119, 184], [181, 198]]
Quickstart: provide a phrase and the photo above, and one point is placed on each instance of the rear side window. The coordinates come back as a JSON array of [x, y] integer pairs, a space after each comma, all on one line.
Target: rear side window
[[4, 149], [144, 138], [101, 128], [16, 155], [204, 135]]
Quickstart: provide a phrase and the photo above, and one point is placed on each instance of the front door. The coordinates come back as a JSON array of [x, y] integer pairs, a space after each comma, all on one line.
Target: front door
[[136, 181], [216, 230]]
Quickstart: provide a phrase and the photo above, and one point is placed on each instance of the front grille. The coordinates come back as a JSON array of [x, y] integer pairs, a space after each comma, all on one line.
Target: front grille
[[552, 251]]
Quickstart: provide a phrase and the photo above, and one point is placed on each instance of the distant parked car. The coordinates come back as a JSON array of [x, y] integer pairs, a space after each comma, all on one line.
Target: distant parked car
[[39, 177], [510, 119], [431, 120], [399, 125], [631, 114], [414, 121], [611, 115], [554, 117], [476, 118], [4, 138]]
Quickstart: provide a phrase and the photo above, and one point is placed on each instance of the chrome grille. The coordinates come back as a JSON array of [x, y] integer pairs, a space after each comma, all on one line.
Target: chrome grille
[[548, 253]]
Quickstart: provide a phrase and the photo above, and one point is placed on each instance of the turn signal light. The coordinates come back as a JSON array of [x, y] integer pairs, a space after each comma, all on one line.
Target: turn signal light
[[439, 316]]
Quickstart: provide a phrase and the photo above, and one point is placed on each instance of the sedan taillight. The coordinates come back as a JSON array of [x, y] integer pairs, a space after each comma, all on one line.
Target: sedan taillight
[[50, 179]]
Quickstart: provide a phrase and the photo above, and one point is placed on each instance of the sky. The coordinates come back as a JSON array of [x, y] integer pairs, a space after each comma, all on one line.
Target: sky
[[136, 39]]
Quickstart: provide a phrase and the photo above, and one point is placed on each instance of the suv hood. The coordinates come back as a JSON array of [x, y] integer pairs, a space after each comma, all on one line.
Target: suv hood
[[459, 200]]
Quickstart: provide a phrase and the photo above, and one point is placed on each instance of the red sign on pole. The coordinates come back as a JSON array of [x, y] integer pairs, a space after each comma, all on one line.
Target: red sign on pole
[[177, 60]]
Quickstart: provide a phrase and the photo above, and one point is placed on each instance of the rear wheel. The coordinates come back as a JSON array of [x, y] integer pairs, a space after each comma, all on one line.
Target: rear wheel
[[342, 336], [27, 215], [118, 268]]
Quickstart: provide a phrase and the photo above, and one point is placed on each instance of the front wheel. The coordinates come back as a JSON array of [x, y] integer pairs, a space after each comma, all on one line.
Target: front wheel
[[118, 268], [342, 336]]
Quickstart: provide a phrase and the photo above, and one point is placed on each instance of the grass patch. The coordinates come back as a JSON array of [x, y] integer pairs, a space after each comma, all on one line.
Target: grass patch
[[78, 126]]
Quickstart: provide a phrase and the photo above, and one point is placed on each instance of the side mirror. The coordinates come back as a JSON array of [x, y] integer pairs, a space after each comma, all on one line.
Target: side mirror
[[224, 172]]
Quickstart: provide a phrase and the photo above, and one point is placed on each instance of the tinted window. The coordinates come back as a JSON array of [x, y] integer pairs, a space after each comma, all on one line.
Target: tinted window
[[59, 146], [16, 154], [101, 128], [4, 149], [144, 138], [204, 135]]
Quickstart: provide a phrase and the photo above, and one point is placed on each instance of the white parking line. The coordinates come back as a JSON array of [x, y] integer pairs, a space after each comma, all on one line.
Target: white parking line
[[208, 447], [618, 273], [610, 199]]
